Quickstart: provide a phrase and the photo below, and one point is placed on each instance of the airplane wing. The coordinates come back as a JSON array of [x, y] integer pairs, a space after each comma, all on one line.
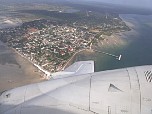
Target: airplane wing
[[121, 91], [44, 98], [78, 68]]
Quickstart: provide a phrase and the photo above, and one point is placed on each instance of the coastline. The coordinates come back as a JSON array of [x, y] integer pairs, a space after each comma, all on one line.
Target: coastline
[[115, 41], [71, 60], [32, 73], [43, 74], [17, 71], [118, 39], [46, 73]]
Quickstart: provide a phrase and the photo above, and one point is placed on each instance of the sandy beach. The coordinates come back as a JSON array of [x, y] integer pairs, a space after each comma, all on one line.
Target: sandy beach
[[15, 71]]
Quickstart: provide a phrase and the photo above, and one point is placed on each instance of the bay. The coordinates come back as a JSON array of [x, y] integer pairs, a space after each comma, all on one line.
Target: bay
[[136, 52]]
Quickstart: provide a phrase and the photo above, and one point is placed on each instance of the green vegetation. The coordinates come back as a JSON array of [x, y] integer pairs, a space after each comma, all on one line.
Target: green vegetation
[[57, 34]]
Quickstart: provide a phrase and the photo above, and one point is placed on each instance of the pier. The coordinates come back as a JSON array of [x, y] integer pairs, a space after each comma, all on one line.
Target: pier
[[109, 54]]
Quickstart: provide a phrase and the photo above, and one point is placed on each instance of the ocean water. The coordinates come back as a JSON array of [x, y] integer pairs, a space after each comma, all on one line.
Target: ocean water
[[137, 52], [6, 56]]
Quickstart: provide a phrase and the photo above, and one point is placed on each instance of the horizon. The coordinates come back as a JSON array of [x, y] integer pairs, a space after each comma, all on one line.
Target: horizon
[[133, 3], [146, 4]]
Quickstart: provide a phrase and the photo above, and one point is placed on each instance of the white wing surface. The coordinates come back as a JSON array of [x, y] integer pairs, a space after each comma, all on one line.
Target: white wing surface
[[122, 91], [78, 68]]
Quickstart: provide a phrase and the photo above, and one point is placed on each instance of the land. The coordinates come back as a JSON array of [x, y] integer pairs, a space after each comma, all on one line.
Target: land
[[50, 42], [50, 36]]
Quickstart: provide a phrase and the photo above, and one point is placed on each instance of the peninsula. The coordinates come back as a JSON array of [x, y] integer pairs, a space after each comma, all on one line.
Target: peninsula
[[50, 42]]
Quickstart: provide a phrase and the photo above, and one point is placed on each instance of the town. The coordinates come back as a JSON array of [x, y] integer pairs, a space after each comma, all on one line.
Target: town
[[51, 43]]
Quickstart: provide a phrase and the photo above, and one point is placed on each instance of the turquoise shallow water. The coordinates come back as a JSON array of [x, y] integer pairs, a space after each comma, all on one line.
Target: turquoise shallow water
[[137, 52]]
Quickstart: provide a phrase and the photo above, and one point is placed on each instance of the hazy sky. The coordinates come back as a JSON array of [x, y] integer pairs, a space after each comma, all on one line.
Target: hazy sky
[[136, 3]]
